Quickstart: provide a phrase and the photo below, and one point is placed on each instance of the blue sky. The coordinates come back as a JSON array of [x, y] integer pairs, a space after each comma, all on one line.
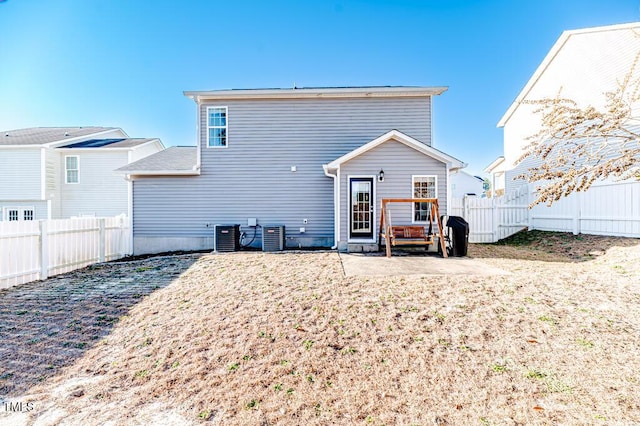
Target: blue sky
[[126, 63]]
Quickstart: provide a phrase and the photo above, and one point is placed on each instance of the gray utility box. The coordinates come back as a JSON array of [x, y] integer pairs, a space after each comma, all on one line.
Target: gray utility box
[[227, 238], [273, 238]]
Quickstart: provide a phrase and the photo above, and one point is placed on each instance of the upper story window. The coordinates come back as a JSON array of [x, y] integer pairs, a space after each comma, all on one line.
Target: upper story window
[[72, 169], [217, 127], [423, 187]]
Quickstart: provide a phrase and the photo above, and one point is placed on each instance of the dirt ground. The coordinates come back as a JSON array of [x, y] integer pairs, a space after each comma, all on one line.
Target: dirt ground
[[286, 338]]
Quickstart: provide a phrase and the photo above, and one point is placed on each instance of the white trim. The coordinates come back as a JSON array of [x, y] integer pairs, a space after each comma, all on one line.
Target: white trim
[[159, 172], [43, 174], [226, 126], [374, 202], [498, 161], [339, 217], [198, 135], [327, 92], [448, 186], [551, 55], [413, 177], [402, 138], [66, 175]]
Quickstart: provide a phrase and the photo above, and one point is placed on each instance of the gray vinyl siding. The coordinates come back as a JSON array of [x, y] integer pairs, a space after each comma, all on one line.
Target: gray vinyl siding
[[399, 163], [252, 177], [20, 174], [101, 191]]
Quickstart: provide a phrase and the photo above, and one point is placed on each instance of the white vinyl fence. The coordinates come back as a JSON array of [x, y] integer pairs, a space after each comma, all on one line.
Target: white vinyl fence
[[35, 250], [607, 208], [492, 219]]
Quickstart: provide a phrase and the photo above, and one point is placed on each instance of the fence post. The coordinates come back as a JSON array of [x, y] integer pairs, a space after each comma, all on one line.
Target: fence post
[[495, 218], [44, 250], [576, 213], [102, 242], [465, 207]]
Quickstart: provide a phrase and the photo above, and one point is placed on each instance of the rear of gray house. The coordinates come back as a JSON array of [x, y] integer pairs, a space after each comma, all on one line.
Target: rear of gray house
[[316, 160]]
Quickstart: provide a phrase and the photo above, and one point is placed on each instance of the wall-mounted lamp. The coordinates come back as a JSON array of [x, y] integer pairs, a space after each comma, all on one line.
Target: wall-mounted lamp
[[381, 176]]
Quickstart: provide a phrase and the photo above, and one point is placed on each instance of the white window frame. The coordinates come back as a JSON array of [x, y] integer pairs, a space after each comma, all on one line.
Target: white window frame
[[374, 200], [21, 213], [413, 185], [66, 169], [226, 127]]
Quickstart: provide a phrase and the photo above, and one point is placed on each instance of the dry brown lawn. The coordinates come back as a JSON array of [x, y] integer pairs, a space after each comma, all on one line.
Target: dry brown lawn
[[258, 338]]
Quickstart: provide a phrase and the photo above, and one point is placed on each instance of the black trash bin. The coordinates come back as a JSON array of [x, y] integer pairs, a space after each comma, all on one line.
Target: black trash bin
[[458, 235]]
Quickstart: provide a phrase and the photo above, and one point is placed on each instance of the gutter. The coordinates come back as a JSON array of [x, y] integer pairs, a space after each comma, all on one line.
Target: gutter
[[335, 204]]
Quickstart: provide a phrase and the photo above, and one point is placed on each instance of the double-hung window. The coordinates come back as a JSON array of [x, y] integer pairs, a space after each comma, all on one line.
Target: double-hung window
[[423, 187], [217, 127], [72, 169]]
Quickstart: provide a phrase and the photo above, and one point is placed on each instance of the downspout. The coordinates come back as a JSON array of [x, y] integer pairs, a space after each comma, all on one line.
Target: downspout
[[335, 205], [198, 147], [129, 180]]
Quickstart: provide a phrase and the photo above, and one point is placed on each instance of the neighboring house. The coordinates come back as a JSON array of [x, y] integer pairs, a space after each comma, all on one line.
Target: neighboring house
[[462, 183], [582, 65], [60, 172], [317, 160], [496, 179]]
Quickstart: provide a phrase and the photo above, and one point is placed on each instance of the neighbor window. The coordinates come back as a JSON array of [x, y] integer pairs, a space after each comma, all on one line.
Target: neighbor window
[[15, 214], [423, 187], [217, 127], [72, 169]]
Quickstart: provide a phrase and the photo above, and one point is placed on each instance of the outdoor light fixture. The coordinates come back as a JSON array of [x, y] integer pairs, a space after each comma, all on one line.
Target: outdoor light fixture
[[381, 176]]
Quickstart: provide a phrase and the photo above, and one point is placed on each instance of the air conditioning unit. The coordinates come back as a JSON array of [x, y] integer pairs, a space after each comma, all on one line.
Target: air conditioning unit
[[227, 238], [273, 238]]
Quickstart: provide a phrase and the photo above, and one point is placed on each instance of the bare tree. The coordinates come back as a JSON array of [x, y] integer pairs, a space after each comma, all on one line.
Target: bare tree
[[579, 145]]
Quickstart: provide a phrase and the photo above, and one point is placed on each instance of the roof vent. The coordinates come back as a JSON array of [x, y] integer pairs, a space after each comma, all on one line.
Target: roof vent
[[66, 133], [6, 134]]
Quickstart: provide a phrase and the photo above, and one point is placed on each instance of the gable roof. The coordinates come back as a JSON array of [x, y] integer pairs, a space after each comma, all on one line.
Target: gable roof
[[557, 47], [175, 160], [495, 164], [46, 135], [122, 143], [317, 92], [407, 140]]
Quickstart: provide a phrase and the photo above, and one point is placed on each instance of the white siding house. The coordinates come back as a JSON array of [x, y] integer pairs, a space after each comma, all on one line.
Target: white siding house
[[462, 183], [582, 65], [60, 172]]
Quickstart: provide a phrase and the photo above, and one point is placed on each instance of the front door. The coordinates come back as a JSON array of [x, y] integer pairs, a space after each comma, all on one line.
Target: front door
[[361, 213]]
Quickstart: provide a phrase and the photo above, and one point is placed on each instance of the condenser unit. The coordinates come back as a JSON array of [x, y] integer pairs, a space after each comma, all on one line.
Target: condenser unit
[[227, 238], [273, 238]]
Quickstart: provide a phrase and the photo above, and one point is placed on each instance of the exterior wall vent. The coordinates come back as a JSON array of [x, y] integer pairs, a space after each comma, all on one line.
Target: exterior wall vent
[[273, 238], [227, 238]]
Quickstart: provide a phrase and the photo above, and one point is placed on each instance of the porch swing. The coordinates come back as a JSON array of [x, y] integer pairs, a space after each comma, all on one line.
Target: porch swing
[[413, 235]]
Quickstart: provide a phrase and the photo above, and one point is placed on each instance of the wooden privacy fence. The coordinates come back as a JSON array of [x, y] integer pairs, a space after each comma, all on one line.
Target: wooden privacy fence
[[36, 250], [607, 208]]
